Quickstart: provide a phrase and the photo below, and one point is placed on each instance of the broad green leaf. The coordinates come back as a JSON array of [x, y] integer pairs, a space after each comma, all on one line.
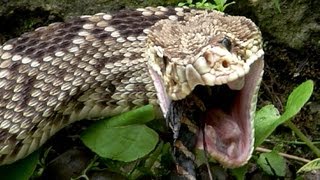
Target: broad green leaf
[[264, 123], [140, 115], [312, 165], [296, 100], [267, 119], [22, 169], [272, 163], [123, 143]]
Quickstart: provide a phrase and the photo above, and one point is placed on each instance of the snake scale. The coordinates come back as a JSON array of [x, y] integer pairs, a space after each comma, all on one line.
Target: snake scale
[[105, 64]]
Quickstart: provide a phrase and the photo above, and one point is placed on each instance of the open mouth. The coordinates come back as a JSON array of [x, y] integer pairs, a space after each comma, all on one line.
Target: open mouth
[[228, 131], [188, 58], [228, 121]]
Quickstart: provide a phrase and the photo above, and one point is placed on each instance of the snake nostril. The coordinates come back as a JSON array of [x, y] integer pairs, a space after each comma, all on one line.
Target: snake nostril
[[225, 64]]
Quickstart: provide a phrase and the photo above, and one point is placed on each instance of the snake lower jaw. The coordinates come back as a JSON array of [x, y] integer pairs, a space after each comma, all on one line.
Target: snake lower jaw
[[228, 131]]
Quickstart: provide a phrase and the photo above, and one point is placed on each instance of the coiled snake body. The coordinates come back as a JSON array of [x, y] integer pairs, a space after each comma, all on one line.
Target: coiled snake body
[[105, 64]]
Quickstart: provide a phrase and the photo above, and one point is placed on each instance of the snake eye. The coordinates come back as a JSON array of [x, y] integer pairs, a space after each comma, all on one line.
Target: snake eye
[[226, 43]]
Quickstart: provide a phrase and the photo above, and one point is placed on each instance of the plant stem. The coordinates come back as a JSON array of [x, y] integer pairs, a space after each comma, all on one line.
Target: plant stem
[[289, 156], [303, 137]]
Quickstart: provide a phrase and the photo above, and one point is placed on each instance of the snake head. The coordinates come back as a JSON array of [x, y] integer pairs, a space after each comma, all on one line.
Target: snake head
[[213, 50]]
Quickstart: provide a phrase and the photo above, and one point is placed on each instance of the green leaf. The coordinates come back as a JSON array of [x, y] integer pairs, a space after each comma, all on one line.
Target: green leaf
[[267, 119], [272, 163], [240, 172], [296, 100], [124, 143], [189, 1], [277, 5], [140, 115], [123, 137], [264, 123], [22, 169], [200, 157], [228, 4], [310, 166], [199, 5], [219, 2]]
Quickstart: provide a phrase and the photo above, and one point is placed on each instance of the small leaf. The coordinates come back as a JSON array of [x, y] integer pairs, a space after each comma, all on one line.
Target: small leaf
[[181, 4], [228, 4], [219, 2], [296, 100], [240, 172], [264, 123], [200, 157], [199, 5], [277, 5], [124, 143], [189, 1], [310, 166], [272, 163], [22, 169]]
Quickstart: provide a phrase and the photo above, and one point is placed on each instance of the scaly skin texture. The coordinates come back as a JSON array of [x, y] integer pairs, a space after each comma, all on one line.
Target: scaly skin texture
[[87, 68]]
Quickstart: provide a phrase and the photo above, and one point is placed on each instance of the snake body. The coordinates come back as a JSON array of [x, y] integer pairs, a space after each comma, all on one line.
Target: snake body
[[102, 65]]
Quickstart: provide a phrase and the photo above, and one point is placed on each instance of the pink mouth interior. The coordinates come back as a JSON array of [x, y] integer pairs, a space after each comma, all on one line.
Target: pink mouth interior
[[228, 127]]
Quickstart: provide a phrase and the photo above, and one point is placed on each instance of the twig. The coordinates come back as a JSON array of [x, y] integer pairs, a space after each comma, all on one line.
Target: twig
[[260, 149], [290, 142]]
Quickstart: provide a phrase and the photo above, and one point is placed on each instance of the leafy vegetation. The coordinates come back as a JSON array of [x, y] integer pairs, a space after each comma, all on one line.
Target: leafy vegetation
[[138, 148], [219, 5], [267, 119]]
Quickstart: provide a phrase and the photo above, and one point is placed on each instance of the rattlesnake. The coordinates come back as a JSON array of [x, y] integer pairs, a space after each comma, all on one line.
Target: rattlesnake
[[102, 65]]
